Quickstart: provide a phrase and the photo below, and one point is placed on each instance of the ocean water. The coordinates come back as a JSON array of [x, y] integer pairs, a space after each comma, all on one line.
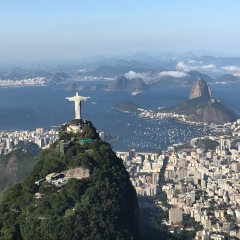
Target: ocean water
[[31, 107]]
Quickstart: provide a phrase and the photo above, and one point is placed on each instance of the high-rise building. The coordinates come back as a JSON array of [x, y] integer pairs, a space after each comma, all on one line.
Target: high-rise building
[[225, 143], [207, 224], [8, 144], [175, 215], [132, 153], [227, 226], [155, 177], [188, 201], [235, 166], [181, 173], [39, 130], [203, 183]]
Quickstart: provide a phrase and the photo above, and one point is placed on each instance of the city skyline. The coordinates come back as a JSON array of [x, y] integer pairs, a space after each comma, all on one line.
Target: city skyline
[[72, 30]]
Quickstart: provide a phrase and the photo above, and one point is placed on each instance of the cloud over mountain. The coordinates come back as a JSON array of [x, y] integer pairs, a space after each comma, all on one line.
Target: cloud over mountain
[[231, 68], [181, 66], [175, 74], [132, 74], [209, 67]]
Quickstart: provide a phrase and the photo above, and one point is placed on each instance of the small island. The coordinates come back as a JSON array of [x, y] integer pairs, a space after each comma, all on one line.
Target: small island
[[127, 107]]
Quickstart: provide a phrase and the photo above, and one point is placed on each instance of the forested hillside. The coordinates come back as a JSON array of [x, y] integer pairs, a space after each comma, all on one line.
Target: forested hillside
[[101, 206], [17, 164]]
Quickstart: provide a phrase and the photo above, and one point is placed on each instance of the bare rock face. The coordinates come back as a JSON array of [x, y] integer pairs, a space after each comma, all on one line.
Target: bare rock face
[[200, 89]]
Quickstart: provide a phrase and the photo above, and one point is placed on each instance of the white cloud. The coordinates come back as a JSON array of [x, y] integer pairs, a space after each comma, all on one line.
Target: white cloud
[[132, 74], [208, 67], [175, 74], [191, 61], [181, 66], [231, 68]]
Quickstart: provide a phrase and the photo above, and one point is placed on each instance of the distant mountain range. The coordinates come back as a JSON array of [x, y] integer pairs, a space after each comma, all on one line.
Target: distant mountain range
[[191, 76], [163, 69], [227, 78]]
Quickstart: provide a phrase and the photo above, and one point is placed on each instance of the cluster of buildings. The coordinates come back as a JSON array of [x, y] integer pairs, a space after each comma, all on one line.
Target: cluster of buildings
[[91, 78], [204, 186], [42, 81], [37, 81], [160, 115], [10, 139], [144, 169], [183, 118]]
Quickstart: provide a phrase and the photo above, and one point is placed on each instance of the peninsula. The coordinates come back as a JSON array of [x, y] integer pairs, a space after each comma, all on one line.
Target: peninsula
[[202, 108], [75, 87]]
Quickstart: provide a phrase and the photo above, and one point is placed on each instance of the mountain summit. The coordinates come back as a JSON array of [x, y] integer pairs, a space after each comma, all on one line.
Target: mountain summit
[[202, 108], [200, 89], [78, 189]]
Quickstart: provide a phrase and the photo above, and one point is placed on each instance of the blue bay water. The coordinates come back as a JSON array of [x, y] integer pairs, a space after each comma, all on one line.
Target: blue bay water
[[31, 107]]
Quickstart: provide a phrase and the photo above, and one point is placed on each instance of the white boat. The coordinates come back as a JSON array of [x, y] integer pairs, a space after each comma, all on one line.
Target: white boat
[[136, 92]]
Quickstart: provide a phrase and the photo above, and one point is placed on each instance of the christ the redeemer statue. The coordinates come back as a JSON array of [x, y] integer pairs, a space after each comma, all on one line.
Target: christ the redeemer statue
[[77, 99]]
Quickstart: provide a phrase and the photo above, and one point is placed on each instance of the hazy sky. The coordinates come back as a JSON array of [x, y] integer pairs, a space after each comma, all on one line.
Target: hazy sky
[[38, 30]]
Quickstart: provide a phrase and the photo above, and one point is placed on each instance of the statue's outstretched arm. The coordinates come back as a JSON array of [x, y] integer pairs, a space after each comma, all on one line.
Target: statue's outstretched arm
[[84, 98], [70, 98]]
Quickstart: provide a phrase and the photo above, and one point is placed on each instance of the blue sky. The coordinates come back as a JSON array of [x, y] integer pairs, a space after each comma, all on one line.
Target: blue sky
[[46, 30]]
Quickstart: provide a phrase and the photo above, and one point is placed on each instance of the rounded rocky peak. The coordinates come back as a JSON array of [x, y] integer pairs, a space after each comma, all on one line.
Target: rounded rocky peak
[[200, 89]]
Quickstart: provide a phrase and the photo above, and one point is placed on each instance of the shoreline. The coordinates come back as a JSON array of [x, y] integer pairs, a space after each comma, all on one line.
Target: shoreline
[[20, 86]]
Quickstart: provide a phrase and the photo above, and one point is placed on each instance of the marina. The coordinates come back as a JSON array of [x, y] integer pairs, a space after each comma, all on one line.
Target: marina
[[162, 134]]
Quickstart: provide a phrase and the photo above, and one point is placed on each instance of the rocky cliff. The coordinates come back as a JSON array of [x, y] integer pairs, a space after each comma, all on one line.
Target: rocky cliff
[[124, 84], [200, 89]]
